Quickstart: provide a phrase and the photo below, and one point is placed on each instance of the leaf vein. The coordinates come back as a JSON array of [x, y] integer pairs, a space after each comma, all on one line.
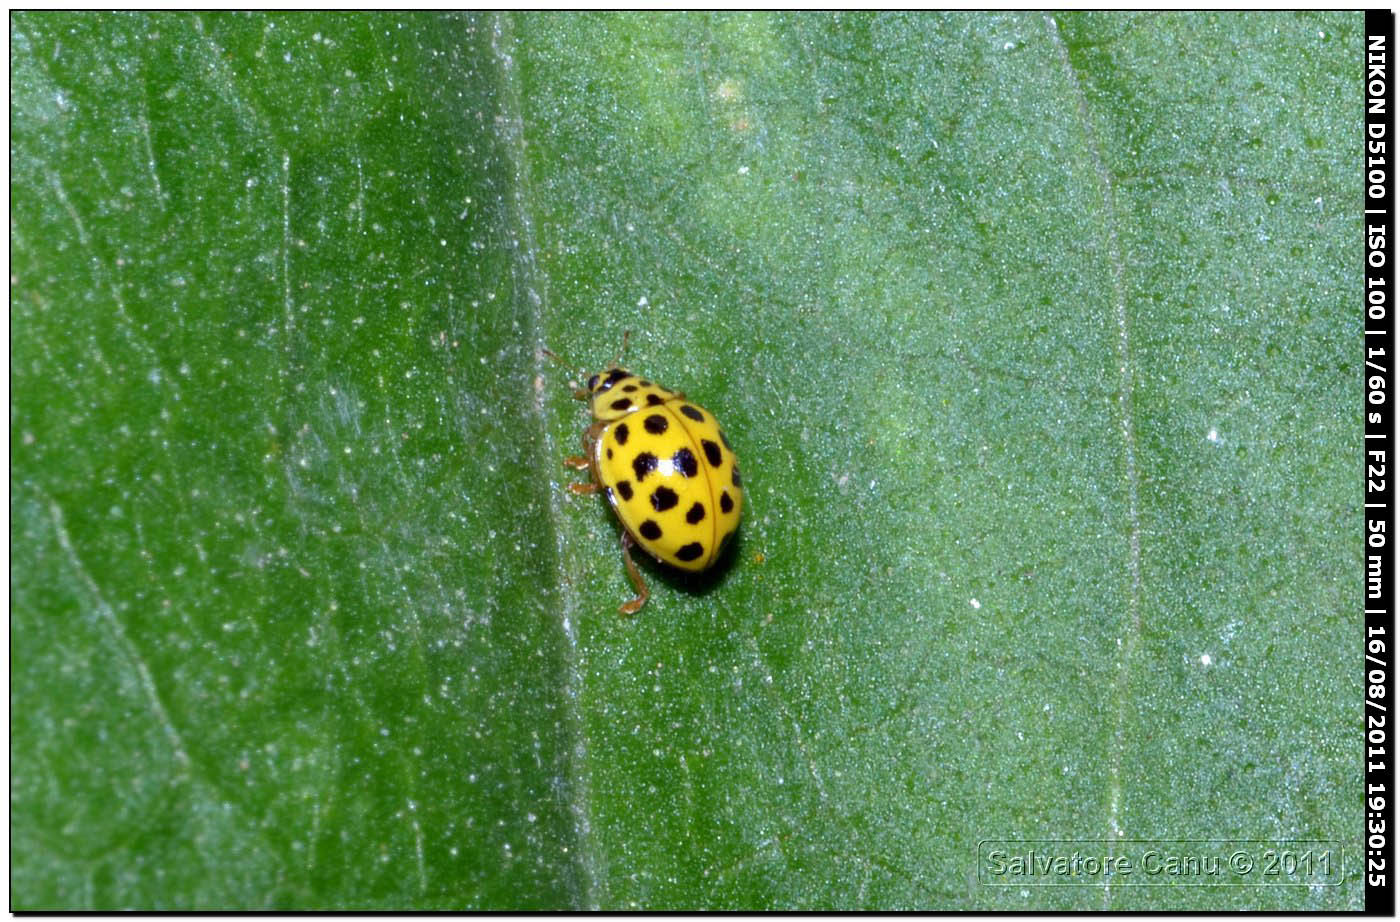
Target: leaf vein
[[1128, 644], [124, 641], [529, 280]]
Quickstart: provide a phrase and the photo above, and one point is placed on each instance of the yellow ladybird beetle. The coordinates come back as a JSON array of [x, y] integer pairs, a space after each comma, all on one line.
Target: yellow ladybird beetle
[[667, 469]]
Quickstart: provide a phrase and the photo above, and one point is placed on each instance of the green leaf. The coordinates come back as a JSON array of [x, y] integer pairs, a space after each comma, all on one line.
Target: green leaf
[[1035, 335]]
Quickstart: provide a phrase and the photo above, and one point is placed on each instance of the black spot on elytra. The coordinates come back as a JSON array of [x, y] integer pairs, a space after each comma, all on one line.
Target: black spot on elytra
[[620, 432], [725, 439], [622, 403], [609, 454], [726, 502], [663, 498], [690, 551], [738, 481], [696, 513], [712, 453], [685, 462], [644, 382], [655, 424], [692, 412], [654, 400], [643, 464], [649, 530], [628, 388], [624, 489]]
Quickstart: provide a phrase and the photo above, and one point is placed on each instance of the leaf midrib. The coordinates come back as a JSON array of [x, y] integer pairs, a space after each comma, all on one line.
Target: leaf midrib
[[1127, 648], [531, 285]]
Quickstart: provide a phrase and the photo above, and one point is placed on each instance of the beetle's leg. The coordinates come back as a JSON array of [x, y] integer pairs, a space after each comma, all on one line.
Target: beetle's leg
[[585, 461], [634, 606], [581, 462]]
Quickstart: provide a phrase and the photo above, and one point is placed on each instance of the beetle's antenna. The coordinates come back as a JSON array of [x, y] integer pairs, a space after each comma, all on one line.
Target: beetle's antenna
[[560, 359], [621, 352]]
